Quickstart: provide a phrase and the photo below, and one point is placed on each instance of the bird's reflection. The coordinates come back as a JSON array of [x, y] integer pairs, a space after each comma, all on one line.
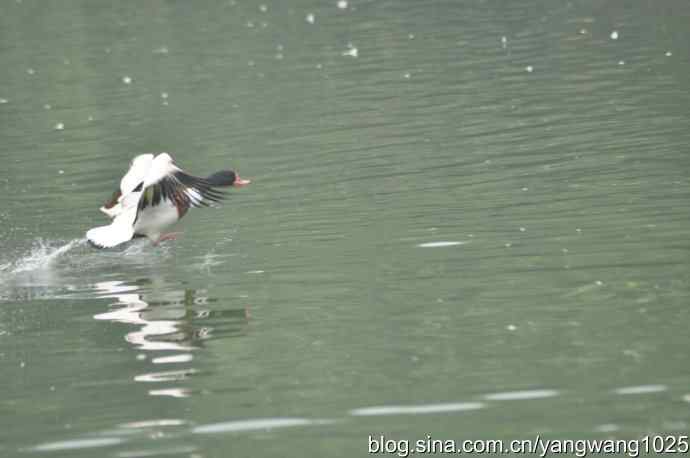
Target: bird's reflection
[[166, 320], [164, 327]]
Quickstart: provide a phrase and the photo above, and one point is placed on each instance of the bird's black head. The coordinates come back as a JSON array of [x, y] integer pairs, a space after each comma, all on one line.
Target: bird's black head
[[226, 178]]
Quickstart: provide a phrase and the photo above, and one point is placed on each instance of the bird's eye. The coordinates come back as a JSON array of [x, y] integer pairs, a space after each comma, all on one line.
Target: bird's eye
[[138, 188]]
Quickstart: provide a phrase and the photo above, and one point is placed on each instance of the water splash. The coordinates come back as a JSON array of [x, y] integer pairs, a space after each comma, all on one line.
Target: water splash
[[42, 256], [52, 268]]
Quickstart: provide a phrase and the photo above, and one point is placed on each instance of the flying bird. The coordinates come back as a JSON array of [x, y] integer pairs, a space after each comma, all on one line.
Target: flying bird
[[153, 195]]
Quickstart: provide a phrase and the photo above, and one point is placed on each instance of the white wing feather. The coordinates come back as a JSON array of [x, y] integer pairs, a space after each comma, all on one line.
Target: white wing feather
[[146, 171], [161, 167], [138, 170]]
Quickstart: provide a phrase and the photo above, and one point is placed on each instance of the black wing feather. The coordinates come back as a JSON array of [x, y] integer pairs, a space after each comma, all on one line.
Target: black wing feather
[[200, 186], [183, 189]]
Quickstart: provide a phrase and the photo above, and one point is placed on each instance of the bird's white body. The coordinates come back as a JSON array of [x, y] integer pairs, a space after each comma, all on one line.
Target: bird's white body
[[129, 216], [152, 221], [154, 194]]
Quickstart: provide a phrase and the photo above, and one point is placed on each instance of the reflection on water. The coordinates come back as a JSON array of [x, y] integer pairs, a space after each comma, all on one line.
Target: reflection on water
[[165, 320], [162, 327]]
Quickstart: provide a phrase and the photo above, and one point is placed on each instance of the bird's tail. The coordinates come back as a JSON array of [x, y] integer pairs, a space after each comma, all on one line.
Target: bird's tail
[[119, 231]]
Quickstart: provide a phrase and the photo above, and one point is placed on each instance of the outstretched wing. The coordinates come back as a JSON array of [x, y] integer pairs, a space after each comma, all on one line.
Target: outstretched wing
[[166, 181], [138, 171], [135, 176]]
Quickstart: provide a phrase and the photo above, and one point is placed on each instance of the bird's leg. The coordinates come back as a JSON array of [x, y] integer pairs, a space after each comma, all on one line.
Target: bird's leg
[[164, 237]]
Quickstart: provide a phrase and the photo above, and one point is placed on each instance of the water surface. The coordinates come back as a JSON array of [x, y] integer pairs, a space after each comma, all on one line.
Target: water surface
[[467, 219]]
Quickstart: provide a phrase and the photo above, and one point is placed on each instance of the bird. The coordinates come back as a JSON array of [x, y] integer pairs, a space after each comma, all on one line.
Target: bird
[[153, 195]]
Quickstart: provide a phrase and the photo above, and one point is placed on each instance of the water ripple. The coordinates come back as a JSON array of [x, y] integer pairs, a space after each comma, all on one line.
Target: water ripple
[[75, 444], [439, 244], [418, 409], [257, 424], [521, 395], [640, 389]]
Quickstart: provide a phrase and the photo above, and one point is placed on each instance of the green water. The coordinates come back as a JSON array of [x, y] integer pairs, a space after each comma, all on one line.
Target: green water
[[490, 233]]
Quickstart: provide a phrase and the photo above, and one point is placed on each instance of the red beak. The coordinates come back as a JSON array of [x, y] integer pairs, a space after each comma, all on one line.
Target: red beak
[[239, 182]]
